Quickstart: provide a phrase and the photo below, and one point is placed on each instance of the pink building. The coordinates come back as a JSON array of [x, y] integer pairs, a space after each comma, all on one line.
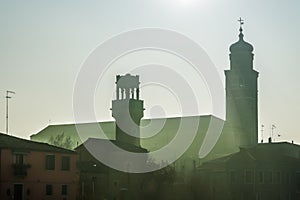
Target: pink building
[[36, 171]]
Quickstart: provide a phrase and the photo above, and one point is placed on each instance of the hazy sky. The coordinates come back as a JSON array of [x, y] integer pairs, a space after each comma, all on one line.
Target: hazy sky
[[43, 44]]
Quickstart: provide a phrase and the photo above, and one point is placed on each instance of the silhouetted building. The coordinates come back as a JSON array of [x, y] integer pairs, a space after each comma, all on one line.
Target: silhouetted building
[[241, 125], [240, 129], [241, 94], [168, 127], [254, 171], [263, 172], [236, 168], [99, 181], [128, 109], [34, 170]]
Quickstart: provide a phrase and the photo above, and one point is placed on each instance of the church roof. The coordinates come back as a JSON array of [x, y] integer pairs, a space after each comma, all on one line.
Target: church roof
[[91, 130], [241, 45], [155, 133]]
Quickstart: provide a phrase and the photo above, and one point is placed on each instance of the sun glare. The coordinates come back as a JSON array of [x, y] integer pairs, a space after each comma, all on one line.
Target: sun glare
[[185, 3]]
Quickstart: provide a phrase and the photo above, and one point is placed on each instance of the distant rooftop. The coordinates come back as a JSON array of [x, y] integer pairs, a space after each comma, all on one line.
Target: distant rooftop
[[18, 144], [264, 152]]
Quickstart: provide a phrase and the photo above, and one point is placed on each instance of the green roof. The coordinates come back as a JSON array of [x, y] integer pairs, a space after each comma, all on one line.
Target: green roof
[[91, 130], [164, 129]]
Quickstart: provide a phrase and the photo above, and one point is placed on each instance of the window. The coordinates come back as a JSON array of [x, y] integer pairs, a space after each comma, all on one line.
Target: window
[[285, 178], [50, 162], [298, 181], [268, 177], [289, 178], [65, 163], [19, 159], [64, 190], [248, 176], [116, 183], [49, 189], [260, 177], [233, 177], [276, 177]]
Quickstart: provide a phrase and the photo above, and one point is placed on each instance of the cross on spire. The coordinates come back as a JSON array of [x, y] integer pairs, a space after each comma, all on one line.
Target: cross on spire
[[241, 21]]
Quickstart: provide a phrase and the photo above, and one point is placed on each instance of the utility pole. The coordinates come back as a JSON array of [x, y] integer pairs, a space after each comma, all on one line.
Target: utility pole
[[7, 97]]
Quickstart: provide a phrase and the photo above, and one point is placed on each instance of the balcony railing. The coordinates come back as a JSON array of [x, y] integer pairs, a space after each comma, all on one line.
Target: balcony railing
[[20, 170]]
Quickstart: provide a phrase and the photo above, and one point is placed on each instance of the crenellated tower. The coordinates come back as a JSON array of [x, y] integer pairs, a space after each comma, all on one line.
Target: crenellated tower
[[128, 110], [241, 93]]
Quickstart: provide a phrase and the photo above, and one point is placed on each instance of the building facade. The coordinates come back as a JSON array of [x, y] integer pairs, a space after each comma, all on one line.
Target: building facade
[[32, 170], [98, 181], [265, 171]]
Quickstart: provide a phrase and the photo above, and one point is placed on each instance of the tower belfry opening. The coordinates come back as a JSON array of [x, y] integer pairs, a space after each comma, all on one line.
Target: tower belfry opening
[[127, 87]]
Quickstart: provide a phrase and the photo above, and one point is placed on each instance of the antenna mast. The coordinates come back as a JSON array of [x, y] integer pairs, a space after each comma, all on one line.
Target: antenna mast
[[272, 130], [262, 133], [7, 97]]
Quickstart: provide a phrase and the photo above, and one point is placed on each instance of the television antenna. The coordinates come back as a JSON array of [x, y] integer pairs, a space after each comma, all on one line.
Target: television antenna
[[8, 93], [272, 130], [262, 133]]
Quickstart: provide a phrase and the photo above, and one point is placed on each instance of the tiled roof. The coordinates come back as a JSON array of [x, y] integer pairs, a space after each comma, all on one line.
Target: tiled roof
[[14, 143], [102, 144]]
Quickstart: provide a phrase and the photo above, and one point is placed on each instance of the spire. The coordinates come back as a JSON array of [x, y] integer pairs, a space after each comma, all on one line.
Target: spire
[[241, 93], [241, 45], [241, 35]]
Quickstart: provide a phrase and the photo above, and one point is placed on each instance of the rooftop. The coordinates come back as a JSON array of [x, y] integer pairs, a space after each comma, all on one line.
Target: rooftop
[[14, 143]]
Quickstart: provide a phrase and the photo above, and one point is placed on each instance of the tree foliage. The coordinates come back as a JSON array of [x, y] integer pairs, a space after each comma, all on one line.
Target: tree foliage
[[60, 140]]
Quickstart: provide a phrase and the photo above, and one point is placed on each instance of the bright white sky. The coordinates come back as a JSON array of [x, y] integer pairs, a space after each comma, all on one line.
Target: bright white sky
[[43, 45]]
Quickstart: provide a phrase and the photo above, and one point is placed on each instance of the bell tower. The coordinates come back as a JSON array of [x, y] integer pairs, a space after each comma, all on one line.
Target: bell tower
[[241, 93], [128, 110]]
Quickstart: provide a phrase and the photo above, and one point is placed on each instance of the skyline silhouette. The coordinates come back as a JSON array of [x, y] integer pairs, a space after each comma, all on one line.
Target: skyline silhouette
[[43, 47]]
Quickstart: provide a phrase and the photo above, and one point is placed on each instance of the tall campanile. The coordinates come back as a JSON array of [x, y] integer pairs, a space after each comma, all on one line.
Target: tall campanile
[[241, 93], [128, 110]]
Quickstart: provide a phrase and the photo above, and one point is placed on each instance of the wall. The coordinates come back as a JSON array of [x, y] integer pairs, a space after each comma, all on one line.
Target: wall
[[37, 176]]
